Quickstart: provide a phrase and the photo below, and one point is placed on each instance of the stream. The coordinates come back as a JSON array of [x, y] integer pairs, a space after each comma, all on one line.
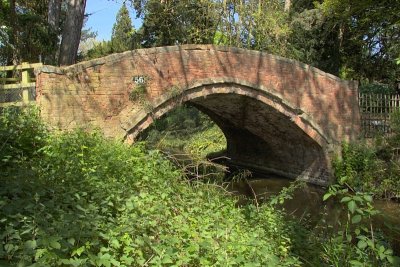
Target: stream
[[307, 204]]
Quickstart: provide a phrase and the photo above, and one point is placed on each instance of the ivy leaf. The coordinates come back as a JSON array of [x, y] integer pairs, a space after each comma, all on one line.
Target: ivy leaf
[[71, 241], [78, 251], [115, 244], [167, 259]]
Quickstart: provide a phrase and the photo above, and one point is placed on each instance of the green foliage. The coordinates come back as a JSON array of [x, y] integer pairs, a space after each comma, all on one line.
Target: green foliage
[[176, 22], [370, 168], [99, 49], [81, 200], [267, 26], [356, 242], [368, 36], [394, 139], [314, 39], [85, 201], [122, 32], [121, 39], [22, 135], [286, 193], [206, 142], [138, 92], [259, 25], [376, 88], [358, 166], [187, 130]]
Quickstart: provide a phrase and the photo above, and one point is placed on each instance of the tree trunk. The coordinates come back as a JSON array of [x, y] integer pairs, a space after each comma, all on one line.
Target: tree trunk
[[53, 15], [14, 35], [72, 32]]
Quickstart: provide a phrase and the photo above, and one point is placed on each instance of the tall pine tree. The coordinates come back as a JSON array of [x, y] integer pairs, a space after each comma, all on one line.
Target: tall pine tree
[[122, 32]]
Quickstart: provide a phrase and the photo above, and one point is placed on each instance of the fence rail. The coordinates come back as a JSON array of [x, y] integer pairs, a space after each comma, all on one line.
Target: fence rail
[[376, 111], [17, 84]]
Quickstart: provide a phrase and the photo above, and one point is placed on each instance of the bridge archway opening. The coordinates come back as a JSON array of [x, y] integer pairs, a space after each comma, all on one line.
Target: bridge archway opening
[[183, 131], [262, 132]]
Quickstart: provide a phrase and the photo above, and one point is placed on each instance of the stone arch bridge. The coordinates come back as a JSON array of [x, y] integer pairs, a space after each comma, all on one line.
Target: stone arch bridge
[[278, 115]]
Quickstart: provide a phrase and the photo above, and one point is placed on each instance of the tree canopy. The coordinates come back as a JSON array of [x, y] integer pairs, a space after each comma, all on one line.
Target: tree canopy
[[24, 31], [122, 32], [352, 39]]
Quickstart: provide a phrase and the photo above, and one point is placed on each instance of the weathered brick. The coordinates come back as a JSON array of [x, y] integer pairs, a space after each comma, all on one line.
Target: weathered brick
[[290, 109]]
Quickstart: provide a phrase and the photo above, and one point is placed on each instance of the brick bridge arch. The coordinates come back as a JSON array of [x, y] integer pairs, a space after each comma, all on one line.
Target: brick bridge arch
[[277, 114]]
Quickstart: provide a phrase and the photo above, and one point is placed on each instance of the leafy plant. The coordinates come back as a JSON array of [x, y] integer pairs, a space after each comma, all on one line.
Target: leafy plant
[[357, 243], [21, 135], [138, 92], [369, 168], [90, 201]]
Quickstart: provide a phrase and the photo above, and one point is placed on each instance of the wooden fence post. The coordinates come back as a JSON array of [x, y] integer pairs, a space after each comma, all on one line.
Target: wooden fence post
[[25, 80]]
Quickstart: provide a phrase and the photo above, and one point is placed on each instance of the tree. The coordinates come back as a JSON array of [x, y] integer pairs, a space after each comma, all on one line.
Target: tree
[[87, 42], [314, 38], [99, 49], [288, 4], [25, 34], [122, 32], [53, 14], [72, 32], [369, 34], [255, 24], [176, 22]]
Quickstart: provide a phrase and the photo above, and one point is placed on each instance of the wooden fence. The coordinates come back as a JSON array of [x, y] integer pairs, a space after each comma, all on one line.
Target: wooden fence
[[17, 84], [376, 111]]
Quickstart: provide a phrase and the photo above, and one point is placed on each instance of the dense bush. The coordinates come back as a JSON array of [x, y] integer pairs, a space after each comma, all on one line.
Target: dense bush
[[376, 88], [81, 200], [21, 135], [76, 199], [372, 167]]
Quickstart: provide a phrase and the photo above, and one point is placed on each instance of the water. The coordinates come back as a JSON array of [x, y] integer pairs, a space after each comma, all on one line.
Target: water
[[306, 199], [307, 204]]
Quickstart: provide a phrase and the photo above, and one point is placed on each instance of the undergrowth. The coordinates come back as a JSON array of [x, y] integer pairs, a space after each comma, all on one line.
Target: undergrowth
[[372, 166], [81, 200], [77, 199]]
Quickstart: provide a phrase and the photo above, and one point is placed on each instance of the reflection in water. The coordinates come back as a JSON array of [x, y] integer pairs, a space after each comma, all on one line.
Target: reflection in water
[[306, 200], [307, 204]]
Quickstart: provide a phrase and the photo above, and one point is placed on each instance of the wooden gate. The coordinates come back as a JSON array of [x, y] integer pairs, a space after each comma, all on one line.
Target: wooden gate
[[17, 84]]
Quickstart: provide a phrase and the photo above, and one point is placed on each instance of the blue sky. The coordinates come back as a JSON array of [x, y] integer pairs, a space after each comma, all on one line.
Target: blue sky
[[103, 16]]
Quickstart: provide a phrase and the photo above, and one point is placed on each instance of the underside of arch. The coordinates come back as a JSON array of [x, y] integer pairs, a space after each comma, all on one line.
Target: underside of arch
[[261, 131]]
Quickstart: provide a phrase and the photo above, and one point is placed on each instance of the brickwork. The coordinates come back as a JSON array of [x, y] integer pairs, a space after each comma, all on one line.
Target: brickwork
[[277, 114]]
